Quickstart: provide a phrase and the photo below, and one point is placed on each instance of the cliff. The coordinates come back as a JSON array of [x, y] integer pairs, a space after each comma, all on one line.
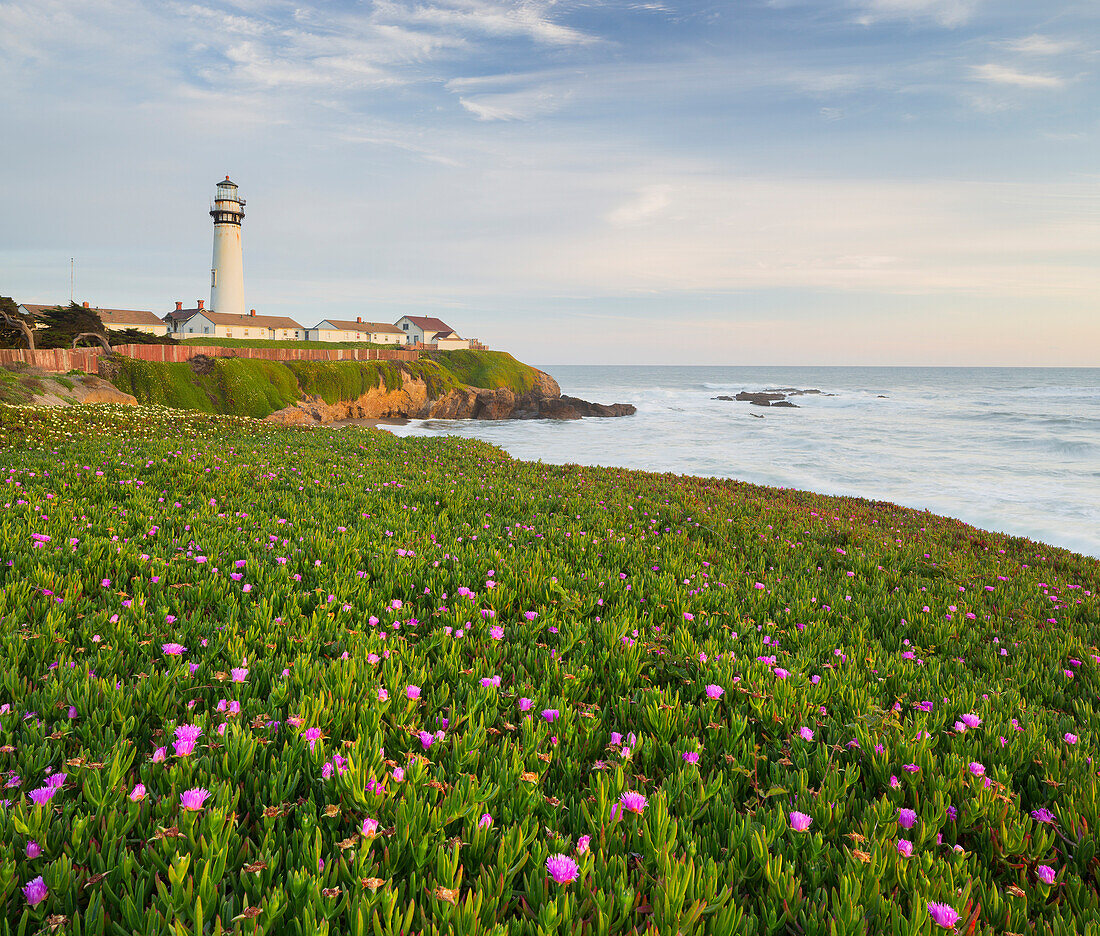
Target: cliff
[[448, 385]]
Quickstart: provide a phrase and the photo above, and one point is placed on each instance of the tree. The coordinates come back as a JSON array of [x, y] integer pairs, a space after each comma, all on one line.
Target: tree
[[16, 324], [67, 325]]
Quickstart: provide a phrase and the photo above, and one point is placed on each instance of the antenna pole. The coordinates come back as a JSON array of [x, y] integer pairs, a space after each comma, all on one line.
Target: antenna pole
[[72, 265]]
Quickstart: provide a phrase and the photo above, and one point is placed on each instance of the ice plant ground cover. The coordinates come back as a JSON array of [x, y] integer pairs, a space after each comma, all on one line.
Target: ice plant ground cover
[[297, 681]]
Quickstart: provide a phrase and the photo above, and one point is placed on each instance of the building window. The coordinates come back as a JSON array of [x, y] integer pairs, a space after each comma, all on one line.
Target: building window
[[295, 334], [229, 333], [405, 326], [205, 330], [213, 278], [246, 333]]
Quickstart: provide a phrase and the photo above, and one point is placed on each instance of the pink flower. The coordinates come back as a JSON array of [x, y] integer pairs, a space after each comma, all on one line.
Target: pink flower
[[36, 890], [525, 705], [1069, 738], [192, 800], [173, 649], [780, 672], [137, 794], [633, 802], [582, 844], [312, 735], [714, 692], [905, 848], [978, 770], [691, 757], [497, 633], [239, 674], [184, 746], [42, 795], [550, 714], [907, 818], [398, 774], [806, 734], [160, 754], [943, 914], [33, 849], [971, 721], [1046, 874], [561, 868], [1042, 814], [800, 822], [426, 739], [412, 693], [485, 821], [370, 828]]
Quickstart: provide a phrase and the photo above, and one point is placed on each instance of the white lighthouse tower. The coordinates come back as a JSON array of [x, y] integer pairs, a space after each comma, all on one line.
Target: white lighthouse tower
[[227, 268]]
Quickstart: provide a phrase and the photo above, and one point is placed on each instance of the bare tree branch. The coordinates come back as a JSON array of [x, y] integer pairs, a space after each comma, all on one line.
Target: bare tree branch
[[97, 337], [17, 321]]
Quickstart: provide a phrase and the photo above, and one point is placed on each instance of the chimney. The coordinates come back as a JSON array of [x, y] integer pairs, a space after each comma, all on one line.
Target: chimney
[[87, 305], [179, 306], [251, 311], [359, 318], [200, 302]]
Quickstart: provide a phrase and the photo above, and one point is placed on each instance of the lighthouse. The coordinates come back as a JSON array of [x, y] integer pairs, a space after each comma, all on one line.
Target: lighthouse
[[227, 267]]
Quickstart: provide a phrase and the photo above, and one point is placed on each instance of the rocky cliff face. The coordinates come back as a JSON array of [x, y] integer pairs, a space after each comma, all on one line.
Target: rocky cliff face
[[413, 401]]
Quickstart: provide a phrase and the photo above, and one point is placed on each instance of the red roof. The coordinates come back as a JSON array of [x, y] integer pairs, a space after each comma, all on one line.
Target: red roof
[[429, 324]]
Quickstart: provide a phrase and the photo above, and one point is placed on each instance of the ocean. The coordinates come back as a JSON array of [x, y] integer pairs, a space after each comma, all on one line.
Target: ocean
[[1015, 450]]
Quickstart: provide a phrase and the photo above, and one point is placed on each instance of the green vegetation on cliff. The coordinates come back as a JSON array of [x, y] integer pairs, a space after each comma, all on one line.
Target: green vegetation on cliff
[[246, 387], [210, 342]]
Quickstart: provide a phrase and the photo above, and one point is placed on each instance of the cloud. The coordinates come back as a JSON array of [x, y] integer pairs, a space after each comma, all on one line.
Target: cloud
[[643, 206], [528, 19], [1005, 75], [1041, 45], [948, 13]]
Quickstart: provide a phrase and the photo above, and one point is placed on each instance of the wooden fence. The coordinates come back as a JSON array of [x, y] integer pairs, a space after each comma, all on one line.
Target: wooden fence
[[62, 360]]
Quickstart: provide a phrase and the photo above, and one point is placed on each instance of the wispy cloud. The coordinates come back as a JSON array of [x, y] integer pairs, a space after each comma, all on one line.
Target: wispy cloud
[[1041, 45], [1006, 75], [948, 13]]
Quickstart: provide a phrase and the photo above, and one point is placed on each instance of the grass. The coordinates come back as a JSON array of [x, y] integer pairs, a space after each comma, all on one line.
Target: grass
[[419, 670], [245, 387]]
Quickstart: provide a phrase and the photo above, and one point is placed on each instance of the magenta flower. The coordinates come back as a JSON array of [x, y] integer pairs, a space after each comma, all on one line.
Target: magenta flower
[[550, 714], [691, 757], [800, 822], [714, 692], [160, 754], [943, 914], [806, 734], [42, 795], [33, 849], [370, 828], [911, 768], [137, 794], [525, 704], [907, 818], [239, 673], [412, 693], [36, 890], [192, 800], [398, 774], [56, 780], [1042, 814], [780, 672], [1069, 738], [173, 649], [582, 844], [188, 732], [497, 633], [183, 747], [1046, 874], [977, 769], [905, 848], [561, 868], [426, 739], [485, 821], [312, 735], [971, 721], [633, 802]]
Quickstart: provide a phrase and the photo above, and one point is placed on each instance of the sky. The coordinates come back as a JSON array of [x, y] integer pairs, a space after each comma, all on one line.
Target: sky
[[577, 181]]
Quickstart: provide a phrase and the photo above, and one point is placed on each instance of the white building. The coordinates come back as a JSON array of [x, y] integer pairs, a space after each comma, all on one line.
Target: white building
[[227, 266], [425, 330], [338, 330], [200, 323], [113, 319]]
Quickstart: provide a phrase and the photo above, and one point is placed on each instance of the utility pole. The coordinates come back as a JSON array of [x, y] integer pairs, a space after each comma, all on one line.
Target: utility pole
[[72, 267]]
